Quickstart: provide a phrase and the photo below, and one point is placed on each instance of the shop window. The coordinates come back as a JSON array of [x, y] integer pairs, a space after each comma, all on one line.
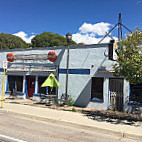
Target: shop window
[[19, 82], [51, 90], [97, 89], [45, 90], [135, 93], [16, 83], [11, 83], [41, 90]]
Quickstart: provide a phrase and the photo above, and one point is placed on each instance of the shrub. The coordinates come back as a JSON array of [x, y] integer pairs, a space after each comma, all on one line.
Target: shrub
[[70, 101]]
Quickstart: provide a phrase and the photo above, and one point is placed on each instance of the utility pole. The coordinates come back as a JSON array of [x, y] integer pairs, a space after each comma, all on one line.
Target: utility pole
[[68, 37]]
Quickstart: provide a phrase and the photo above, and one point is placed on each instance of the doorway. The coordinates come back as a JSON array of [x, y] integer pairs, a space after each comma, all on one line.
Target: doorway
[[31, 85], [116, 93]]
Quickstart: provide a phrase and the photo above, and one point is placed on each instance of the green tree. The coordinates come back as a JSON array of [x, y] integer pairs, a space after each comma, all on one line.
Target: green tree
[[48, 39], [129, 61], [8, 41]]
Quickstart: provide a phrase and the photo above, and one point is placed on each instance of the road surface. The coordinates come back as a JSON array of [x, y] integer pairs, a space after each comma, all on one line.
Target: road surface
[[20, 128]]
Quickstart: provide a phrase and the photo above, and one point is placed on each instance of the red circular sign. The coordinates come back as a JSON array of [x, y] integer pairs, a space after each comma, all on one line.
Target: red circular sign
[[52, 56], [10, 57]]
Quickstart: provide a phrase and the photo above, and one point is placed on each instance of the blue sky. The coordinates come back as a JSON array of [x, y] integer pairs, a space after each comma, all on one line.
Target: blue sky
[[86, 20]]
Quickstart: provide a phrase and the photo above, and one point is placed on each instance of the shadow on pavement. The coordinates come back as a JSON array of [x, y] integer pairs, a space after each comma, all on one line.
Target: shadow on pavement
[[115, 117]]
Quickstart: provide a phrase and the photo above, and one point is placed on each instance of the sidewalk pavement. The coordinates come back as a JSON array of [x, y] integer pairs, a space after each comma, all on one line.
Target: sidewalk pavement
[[75, 119]]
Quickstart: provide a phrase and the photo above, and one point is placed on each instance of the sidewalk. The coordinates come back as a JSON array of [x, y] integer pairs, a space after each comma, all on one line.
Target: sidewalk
[[75, 119]]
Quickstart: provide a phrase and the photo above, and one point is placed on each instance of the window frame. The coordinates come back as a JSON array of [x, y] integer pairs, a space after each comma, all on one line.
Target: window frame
[[39, 86], [96, 99], [18, 84], [15, 83], [133, 102]]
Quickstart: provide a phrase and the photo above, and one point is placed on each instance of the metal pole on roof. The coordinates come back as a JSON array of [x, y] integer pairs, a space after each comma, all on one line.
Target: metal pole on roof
[[107, 34], [119, 28], [119, 24], [126, 28]]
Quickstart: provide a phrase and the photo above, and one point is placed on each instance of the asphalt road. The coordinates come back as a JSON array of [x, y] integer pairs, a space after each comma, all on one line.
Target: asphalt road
[[21, 128]]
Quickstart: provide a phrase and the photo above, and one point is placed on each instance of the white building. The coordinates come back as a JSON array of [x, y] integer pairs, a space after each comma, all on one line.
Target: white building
[[90, 81]]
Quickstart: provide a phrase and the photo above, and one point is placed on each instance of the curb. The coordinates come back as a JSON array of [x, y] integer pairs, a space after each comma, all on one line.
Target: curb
[[71, 124]]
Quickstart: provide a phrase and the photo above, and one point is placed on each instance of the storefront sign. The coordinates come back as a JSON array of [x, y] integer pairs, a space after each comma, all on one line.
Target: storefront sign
[[30, 57], [52, 56], [10, 57]]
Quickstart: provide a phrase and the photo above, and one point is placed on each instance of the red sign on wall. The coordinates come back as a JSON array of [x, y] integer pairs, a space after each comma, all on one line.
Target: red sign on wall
[[10, 57], [52, 56]]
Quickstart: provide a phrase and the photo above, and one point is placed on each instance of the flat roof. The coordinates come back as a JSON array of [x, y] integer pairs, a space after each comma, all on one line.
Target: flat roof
[[59, 47]]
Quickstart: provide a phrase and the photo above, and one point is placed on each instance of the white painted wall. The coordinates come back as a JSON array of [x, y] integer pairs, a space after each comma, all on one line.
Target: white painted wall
[[90, 57]]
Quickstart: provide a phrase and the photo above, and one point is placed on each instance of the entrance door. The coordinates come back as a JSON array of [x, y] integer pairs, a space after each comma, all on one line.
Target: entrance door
[[116, 94], [31, 86]]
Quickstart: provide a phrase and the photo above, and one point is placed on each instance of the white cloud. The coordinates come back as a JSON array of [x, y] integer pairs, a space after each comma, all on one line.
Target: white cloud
[[98, 29], [92, 33], [89, 39], [24, 36], [88, 33]]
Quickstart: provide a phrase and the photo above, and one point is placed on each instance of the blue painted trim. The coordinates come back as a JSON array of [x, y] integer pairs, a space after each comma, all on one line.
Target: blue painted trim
[[108, 98], [135, 103], [37, 85], [2, 70], [34, 83], [75, 71], [15, 81], [7, 91], [97, 100], [34, 94], [21, 93], [7, 84], [46, 89], [26, 87]]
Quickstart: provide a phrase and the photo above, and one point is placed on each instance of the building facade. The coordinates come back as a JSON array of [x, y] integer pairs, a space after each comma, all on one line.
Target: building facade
[[90, 80]]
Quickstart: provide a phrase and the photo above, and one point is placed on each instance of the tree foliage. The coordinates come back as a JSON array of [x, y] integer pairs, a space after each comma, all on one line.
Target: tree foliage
[[8, 41], [129, 61], [48, 39]]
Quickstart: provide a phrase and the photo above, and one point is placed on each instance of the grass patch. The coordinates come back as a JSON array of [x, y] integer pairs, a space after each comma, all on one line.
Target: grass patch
[[14, 102], [73, 110]]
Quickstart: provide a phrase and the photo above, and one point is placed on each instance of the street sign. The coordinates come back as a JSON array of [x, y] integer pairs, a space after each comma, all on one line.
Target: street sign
[[5, 64]]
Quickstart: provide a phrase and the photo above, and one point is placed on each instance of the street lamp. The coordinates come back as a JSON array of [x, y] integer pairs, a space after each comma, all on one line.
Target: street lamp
[[68, 37]]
